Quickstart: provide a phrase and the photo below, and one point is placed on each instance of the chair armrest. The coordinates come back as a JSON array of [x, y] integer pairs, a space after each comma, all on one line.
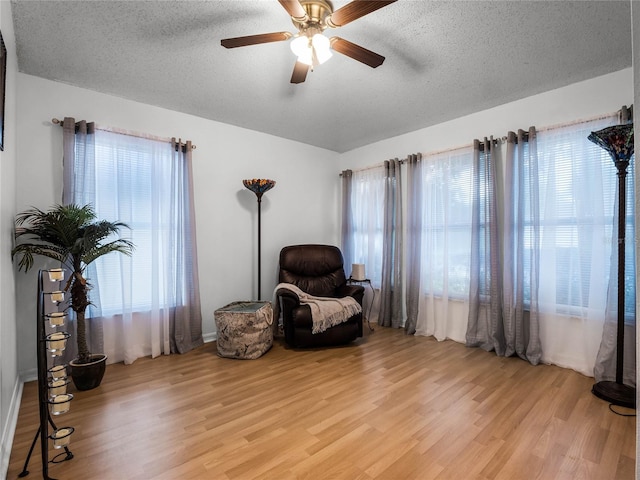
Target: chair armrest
[[289, 302], [287, 294], [355, 291]]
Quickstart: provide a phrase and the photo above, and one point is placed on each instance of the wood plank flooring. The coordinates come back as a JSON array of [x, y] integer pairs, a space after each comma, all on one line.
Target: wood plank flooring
[[389, 406]]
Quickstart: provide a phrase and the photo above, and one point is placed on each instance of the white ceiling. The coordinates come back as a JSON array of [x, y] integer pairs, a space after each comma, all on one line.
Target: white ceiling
[[444, 59]]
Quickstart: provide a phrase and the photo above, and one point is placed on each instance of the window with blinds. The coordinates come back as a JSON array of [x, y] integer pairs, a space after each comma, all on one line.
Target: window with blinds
[[577, 183], [132, 181], [446, 226], [577, 190], [367, 200]]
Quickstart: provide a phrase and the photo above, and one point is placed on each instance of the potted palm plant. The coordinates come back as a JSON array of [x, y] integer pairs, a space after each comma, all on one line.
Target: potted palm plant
[[71, 235]]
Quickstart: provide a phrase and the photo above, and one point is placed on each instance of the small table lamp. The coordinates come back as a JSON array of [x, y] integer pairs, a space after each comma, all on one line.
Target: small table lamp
[[357, 271]]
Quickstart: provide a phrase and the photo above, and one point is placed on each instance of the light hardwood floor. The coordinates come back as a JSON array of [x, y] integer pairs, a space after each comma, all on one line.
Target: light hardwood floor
[[389, 406]]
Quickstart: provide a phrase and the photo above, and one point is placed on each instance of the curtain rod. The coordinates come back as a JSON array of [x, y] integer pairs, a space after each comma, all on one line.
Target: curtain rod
[[503, 139], [437, 152], [55, 121], [578, 122]]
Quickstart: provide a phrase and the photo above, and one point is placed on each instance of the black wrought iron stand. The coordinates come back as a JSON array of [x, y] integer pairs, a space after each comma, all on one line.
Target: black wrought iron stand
[[43, 395], [366, 281]]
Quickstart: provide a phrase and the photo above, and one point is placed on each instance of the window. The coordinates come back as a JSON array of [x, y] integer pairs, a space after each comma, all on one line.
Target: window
[[367, 200], [446, 226], [149, 302], [132, 182], [577, 183]]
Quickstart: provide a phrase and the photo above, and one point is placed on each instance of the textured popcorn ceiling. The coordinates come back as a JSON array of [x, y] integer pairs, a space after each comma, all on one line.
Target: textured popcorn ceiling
[[444, 59]]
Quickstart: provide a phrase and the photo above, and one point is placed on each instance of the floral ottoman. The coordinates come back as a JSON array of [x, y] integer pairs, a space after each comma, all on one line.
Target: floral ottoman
[[244, 329]]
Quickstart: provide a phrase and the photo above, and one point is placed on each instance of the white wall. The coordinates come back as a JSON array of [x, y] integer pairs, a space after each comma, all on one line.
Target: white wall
[[10, 382], [301, 208], [578, 101]]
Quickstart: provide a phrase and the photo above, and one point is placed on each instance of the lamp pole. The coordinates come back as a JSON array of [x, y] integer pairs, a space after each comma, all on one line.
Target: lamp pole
[[259, 244], [618, 142], [259, 186]]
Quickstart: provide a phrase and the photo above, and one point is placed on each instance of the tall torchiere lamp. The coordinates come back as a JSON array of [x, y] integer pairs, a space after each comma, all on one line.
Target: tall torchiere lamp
[[259, 186], [618, 142]]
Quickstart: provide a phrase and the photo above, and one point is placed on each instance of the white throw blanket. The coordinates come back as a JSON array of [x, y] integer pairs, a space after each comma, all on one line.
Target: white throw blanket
[[325, 311]]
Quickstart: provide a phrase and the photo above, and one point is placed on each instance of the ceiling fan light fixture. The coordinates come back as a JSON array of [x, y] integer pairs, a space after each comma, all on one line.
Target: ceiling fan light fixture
[[307, 58], [300, 46], [312, 51], [322, 47], [303, 49], [311, 18]]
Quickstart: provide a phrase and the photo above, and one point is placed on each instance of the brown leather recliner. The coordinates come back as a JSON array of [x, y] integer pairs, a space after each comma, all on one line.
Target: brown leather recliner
[[317, 270]]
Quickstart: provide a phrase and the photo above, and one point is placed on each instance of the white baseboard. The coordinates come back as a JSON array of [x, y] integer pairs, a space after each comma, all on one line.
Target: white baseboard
[[10, 427], [30, 375], [209, 337]]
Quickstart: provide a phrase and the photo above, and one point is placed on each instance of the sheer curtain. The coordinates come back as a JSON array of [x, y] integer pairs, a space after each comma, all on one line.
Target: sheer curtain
[[363, 220], [577, 189], [503, 314], [485, 327], [446, 189], [415, 208], [78, 155], [372, 234], [149, 303], [184, 292], [521, 247], [559, 192], [347, 246], [391, 284]]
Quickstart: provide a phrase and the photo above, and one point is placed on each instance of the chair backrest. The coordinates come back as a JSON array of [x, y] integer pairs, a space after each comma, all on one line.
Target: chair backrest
[[315, 269]]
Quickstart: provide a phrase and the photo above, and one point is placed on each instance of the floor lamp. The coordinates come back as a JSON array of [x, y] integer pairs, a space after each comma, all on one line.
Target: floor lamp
[[259, 186], [618, 142]]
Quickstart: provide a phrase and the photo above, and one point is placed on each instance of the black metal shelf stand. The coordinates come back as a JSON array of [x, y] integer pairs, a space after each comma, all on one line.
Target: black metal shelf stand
[[43, 394]]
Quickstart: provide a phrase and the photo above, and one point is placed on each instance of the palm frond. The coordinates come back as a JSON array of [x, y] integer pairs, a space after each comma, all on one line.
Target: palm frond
[[59, 226], [28, 215], [95, 233], [121, 245], [26, 251], [67, 232]]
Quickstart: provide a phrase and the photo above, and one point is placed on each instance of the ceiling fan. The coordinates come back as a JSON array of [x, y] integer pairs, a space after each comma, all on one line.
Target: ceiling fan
[[311, 18]]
